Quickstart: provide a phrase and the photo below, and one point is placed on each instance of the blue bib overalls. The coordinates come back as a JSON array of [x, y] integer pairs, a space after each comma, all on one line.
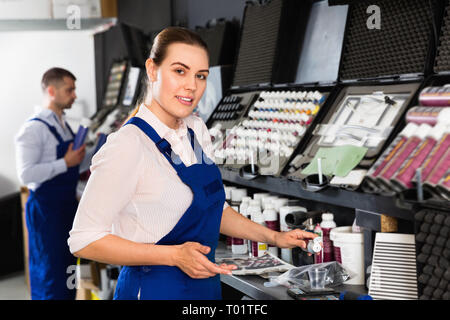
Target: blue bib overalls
[[200, 223], [50, 211]]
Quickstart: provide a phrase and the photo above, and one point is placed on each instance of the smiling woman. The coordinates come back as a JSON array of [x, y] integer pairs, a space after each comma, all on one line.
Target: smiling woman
[[151, 203]]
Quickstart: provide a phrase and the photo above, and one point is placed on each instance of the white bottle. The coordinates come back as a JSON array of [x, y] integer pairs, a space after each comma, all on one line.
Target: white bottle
[[238, 245], [258, 248], [286, 254], [253, 209], [228, 200], [272, 222], [259, 196], [327, 225]]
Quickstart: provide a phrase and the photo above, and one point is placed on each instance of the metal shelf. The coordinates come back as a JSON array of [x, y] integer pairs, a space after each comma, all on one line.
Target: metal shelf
[[331, 195]]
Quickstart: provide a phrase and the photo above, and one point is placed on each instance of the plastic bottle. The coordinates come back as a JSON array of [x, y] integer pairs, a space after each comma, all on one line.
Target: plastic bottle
[[318, 258], [81, 133], [272, 222], [258, 248], [243, 209], [253, 209], [238, 245], [327, 225], [228, 200]]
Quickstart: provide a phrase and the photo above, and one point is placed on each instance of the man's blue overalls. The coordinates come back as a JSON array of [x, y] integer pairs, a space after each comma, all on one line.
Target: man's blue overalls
[[50, 211], [200, 223]]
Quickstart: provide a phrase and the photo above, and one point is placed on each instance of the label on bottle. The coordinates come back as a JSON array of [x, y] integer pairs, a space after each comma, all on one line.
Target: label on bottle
[[328, 254], [237, 241]]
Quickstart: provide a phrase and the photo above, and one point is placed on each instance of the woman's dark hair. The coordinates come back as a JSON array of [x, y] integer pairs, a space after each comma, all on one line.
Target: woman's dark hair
[[159, 49]]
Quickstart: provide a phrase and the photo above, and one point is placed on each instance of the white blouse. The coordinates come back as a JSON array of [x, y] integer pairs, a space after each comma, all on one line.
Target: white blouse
[[133, 191]]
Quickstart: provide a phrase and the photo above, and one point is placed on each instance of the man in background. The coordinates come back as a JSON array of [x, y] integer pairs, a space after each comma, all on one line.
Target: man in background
[[49, 167]]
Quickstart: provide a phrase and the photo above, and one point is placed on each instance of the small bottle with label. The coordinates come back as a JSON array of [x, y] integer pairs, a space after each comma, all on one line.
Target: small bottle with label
[[272, 222], [254, 209], [327, 225], [238, 245]]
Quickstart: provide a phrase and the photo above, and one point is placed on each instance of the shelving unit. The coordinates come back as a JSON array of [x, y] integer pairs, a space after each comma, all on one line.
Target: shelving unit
[[331, 195]]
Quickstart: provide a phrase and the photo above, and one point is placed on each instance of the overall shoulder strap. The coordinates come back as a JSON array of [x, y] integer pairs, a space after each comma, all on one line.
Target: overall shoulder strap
[[163, 146], [51, 128]]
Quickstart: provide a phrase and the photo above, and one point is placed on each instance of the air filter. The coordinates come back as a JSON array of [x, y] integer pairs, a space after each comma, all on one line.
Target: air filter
[[394, 275], [401, 44]]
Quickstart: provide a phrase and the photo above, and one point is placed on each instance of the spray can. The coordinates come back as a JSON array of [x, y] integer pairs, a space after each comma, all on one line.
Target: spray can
[[318, 258], [272, 222], [327, 225], [81, 133]]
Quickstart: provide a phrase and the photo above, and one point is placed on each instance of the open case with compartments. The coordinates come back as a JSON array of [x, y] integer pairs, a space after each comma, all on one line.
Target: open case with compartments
[[381, 73], [284, 79], [421, 149]]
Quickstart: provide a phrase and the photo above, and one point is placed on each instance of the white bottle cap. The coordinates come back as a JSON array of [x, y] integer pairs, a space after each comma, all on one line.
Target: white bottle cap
[[228, 192], [423, 130], [270, 214], [279, 202], [259, 196], [238, 194], [327, 216], [409, 130], [444, 116], [246, 199], [258, 218], [437, 131]]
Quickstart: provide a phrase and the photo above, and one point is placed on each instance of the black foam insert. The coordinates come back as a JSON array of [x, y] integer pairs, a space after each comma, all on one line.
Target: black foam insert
[[432, 254], [400, 46], [270, 42], [258, 43], [443, 52]]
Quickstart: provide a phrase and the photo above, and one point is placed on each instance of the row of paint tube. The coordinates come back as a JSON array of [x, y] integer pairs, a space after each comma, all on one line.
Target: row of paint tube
[[418, 157]]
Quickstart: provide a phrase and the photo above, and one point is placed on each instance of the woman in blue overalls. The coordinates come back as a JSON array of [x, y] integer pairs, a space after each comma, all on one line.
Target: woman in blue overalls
[[181, 264]]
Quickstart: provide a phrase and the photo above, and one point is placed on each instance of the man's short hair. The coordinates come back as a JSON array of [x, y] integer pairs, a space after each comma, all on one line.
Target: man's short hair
[[54, 76]]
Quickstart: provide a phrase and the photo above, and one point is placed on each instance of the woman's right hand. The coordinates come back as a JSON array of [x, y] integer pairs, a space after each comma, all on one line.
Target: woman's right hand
[[191, 258]]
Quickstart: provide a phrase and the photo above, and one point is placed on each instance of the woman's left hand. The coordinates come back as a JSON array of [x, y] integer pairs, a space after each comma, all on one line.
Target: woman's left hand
[[293, 238]]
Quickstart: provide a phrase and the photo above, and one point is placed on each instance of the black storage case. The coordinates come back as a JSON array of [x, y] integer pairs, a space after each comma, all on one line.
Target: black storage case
[[440, 76], [396, 57], [268, 65]]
